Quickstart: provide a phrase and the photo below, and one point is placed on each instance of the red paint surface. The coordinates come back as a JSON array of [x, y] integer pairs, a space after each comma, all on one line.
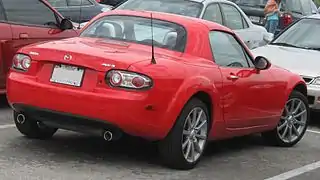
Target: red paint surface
[[253, 103]]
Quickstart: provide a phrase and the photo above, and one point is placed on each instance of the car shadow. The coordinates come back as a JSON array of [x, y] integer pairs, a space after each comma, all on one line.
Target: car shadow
[[132, 151], [315, 119]]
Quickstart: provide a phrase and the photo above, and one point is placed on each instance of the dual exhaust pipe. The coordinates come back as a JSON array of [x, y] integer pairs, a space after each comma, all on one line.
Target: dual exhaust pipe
[[107, 135]]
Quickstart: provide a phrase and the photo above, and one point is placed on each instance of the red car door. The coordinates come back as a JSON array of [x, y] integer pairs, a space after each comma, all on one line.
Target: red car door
[[31, 21], [5, 37], [246, 91]]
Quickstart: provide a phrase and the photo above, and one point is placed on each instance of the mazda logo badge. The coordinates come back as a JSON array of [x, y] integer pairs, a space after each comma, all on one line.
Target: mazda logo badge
[[67, 57]]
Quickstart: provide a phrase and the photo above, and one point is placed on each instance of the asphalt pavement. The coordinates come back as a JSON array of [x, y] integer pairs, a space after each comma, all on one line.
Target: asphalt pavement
[[75, 156]]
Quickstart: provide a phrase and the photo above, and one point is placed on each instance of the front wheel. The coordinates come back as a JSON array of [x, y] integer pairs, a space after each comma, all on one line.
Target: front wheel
[[293, 122], [184, 145]]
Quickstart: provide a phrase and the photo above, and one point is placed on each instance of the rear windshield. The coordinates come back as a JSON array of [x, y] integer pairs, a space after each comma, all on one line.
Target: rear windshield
[[180, 7], [134, 29]]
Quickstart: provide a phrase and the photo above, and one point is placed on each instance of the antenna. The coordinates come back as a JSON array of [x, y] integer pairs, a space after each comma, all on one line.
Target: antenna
[[153, 60], [80, 15]]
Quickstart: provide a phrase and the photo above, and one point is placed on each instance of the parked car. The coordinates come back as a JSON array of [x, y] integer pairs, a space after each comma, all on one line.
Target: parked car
[[291, 9], [79, 10], [192, 82], [25, 22], [221, 11], [298, 50]]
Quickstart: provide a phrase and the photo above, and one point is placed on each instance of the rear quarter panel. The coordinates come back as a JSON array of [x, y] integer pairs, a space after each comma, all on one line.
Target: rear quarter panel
[[176, 81]]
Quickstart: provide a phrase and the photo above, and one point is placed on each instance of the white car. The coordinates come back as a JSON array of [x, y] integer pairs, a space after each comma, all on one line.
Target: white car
[[220, 11], [297, 49]]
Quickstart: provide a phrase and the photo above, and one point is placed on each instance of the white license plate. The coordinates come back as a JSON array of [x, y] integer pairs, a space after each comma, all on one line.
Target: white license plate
[[255, 19], [69, 75]]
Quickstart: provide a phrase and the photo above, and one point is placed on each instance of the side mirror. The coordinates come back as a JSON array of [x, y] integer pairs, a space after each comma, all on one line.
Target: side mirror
[[66, 24], [268, 37], [261, 63]]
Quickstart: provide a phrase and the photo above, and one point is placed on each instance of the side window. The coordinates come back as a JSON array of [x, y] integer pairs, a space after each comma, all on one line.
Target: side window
[[213, 13], [29, 12], [58, 3], [2, 18], [79, 3], [227, 51], [232, 17]]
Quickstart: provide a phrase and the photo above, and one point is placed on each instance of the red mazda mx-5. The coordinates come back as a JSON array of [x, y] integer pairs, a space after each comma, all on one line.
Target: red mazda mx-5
[[175, 80]]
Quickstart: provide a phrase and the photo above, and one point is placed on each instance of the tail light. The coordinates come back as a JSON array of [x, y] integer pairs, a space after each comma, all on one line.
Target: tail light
[[126, 79], [21, 62], [287, 19]]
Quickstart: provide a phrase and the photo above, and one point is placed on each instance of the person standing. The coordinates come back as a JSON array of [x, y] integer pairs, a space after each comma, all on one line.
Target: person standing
[[272, 13]]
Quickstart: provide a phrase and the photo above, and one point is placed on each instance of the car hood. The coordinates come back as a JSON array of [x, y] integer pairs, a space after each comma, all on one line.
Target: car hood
[[299, 61], [90, 52]]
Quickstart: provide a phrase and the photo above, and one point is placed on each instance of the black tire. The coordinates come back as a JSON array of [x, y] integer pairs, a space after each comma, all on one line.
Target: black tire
[[31, 129], [272, 137], [170, 148]]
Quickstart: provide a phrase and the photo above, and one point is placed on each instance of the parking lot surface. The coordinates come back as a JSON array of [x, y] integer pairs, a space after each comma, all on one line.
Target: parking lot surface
[[75, 156]]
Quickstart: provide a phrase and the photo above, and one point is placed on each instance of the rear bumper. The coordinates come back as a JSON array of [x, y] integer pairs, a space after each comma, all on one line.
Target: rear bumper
[[127, 111]]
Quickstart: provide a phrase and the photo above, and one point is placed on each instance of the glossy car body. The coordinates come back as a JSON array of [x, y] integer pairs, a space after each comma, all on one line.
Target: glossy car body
[[77, 12], [299, 54], [23, 28], [220, 11], [238, 98]]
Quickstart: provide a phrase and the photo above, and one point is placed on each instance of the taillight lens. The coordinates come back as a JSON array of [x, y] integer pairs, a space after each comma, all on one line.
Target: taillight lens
[[21, 62], [126, 79], [287, 19]]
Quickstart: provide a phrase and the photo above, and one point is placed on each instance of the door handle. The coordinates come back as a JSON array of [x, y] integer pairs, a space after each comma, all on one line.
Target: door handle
[[233, 77], [23, 36]]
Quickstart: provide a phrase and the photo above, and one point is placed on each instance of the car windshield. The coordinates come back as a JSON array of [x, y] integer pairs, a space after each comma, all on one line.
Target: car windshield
[[138, 30], [252, 3], [303, 34], [180, 7]]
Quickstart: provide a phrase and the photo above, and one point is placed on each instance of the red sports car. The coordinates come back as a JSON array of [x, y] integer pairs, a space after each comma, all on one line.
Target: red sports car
[[175, 80]]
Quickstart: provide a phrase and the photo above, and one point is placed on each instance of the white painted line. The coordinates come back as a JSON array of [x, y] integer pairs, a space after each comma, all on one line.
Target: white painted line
[[313, 131], [296, 172], [6, 126]]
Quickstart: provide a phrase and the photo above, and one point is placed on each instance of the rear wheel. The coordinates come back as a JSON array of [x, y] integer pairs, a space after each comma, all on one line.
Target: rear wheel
[[31, 128], [293, 122], [184, 145]]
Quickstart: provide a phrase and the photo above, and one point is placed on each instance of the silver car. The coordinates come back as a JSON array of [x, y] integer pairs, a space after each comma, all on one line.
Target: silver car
[[220, 11], [297, 49]]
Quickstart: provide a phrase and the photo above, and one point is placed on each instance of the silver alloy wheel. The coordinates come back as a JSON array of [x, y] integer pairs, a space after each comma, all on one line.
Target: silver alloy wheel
[[293, 120], [194, 134]]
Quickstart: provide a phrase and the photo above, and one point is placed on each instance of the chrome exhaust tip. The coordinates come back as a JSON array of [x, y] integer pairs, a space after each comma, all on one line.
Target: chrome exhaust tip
[[107, 135], [21, 119]]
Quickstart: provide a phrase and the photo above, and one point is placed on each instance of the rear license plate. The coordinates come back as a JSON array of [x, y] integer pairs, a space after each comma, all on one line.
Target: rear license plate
[[255, 19], [69, 75]]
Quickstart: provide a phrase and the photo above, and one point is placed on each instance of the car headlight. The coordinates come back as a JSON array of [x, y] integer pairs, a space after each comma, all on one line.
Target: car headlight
[[316, 81]]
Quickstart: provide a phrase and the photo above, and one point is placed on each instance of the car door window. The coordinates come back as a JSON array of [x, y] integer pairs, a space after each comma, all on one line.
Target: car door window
[[79, 3], [58, 3], [227, 51], [213, 13], [2, 18], [32, 12], [232, 16]]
